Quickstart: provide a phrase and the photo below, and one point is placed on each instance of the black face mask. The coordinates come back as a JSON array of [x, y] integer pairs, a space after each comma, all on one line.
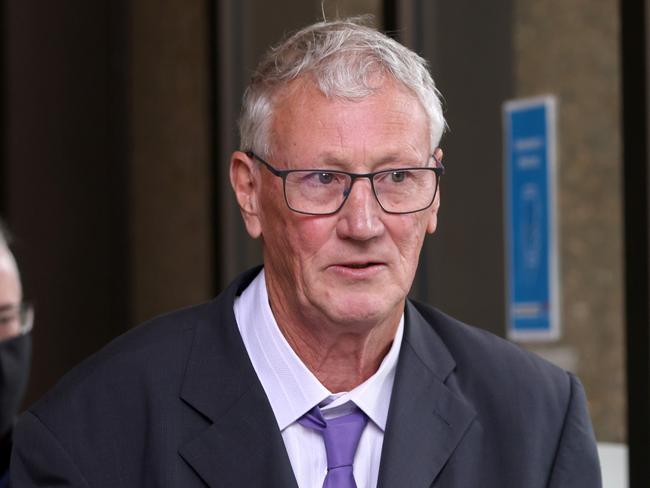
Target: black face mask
[[15, 356]]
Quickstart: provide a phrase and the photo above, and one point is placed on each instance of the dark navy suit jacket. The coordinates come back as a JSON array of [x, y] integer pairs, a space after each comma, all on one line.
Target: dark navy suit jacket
[[176, 403]]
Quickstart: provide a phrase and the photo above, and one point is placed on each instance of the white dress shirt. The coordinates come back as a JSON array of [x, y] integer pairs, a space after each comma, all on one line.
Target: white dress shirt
[[293, 390]]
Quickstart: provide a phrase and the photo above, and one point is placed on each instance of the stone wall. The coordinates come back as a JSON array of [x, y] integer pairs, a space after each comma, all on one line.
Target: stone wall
[[571, 49]]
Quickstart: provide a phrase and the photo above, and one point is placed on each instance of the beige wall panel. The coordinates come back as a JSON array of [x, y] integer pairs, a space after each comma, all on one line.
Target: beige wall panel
[[170, 228], [571, 49]]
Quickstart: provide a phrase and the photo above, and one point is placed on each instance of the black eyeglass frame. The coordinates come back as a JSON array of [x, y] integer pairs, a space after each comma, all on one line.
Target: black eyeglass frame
[[283, 173]]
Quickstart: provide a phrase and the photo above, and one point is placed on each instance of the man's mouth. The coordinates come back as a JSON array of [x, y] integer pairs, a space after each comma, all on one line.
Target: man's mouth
[[360, 265], [358, 270]]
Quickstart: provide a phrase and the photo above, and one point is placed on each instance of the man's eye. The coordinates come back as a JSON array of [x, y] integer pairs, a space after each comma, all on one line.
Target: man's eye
[[398, 176], [325, 178], [321, 178]]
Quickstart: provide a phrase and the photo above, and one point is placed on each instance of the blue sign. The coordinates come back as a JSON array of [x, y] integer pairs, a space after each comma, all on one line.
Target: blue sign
[[530, 219]]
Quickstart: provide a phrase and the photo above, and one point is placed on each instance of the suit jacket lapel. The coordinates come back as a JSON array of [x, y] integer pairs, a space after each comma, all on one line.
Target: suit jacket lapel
[[426, 421], [242, 444]]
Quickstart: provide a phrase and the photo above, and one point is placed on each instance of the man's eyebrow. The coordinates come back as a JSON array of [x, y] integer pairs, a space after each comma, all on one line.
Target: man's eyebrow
[[330, 158], [334, 159]]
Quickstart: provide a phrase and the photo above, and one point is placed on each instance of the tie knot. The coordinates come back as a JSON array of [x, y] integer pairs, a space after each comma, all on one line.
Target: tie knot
[[341, 434]]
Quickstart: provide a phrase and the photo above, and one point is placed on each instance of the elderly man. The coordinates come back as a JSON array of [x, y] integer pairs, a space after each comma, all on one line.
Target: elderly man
[[316, 370], [15, 349]]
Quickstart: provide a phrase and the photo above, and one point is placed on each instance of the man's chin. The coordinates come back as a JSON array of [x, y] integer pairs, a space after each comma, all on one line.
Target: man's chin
[[362, 309]]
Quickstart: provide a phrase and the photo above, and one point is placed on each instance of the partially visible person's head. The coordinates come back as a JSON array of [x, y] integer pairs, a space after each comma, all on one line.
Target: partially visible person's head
[[344, 59], [11, 294], [15, 342]]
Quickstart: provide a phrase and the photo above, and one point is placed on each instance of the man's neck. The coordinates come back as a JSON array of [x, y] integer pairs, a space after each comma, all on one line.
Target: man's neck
[[341, 356]]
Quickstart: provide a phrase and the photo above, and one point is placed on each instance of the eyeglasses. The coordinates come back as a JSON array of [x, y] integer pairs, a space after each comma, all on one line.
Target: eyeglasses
[[323, 191], [15, 320]]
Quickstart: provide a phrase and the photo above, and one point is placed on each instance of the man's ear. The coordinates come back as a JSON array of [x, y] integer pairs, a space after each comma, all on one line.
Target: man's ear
[[246, 185], [432, 223]]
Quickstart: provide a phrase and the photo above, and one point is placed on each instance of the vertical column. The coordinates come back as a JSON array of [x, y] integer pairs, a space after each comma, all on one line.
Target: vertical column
[[170, 177], [65, 174], [634, 49], [234, 33], [3, 110]]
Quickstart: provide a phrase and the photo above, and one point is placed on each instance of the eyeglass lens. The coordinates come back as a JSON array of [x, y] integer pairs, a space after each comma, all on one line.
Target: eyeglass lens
[[398, 191]]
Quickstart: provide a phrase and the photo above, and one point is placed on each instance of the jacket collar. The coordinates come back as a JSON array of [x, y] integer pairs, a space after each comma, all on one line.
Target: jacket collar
[[242, 444], [426, 420]]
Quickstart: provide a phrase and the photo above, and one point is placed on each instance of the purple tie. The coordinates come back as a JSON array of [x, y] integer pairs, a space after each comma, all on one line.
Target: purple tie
[[341, 436]]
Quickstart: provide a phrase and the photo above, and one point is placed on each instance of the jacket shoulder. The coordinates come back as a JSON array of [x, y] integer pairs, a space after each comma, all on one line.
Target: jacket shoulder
[[145, 365], [129, 364], [531, 425], [489, 366]]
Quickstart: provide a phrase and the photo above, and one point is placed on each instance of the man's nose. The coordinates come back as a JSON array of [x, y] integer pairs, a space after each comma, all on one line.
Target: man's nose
[[360, 217]]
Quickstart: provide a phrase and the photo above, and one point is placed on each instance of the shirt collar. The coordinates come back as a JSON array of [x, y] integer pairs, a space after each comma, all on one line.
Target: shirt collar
[[290, 387]]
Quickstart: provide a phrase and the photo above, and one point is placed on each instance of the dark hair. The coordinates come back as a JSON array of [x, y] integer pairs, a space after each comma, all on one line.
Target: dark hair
[[5, 235]]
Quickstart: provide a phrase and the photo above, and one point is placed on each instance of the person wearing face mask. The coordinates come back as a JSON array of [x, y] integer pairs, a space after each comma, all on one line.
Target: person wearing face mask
[[15, 350]]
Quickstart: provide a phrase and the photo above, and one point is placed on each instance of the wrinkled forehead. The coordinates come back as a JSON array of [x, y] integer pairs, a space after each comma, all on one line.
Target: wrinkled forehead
[[303, 97]]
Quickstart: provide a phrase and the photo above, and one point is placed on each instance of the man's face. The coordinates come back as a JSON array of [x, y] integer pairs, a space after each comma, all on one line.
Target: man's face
[[10, 295], [356, 266]]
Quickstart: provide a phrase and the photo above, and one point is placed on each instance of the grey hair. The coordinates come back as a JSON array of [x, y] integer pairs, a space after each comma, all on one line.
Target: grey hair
[[345, 59]]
